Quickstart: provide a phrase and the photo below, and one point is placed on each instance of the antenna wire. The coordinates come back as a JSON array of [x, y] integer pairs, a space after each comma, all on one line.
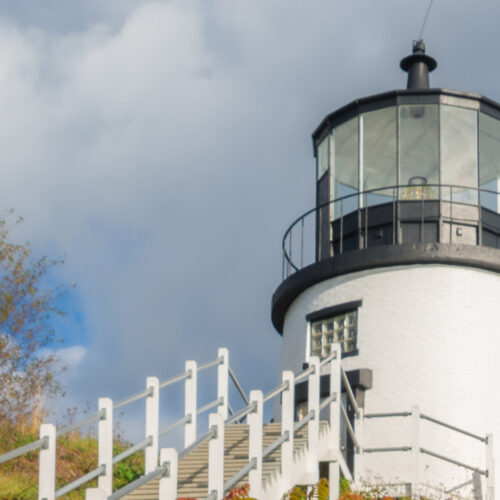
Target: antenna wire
[[425, 19]]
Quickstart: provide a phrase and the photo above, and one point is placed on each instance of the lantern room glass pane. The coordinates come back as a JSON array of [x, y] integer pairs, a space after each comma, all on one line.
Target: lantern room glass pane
[[459, 153], [379, 154], [419, 151], [489, 161], [345, 166], [323, 156]]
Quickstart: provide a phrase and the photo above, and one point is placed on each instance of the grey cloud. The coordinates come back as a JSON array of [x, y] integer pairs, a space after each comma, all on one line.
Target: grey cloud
[[165, 147]]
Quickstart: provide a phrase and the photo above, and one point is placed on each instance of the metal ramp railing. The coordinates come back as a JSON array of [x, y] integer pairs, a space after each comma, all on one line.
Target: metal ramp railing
[[163, 464]]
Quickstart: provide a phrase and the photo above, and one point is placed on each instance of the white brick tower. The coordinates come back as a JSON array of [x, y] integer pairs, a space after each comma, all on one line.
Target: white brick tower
[[399, 262]]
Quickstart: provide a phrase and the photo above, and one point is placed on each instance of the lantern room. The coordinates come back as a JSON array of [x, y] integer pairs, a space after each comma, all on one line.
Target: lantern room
[[418, 165]]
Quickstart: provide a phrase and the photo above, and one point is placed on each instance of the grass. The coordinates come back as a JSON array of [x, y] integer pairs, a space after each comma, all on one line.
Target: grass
[[76, 456]]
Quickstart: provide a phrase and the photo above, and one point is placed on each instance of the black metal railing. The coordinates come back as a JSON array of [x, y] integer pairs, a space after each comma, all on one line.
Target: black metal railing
[[393, 215]]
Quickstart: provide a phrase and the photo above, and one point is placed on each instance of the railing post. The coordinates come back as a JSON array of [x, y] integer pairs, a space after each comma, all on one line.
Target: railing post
[[477, 493], [168, 483], [190, 403], [47, 466], [105, 446], [222, 381], [216, 457], [358, 456], [335, 388], [255, 421], [415, 451], [313, 424], [490, 467], [333, 480], [95, 494], [287, 419], [152, 424]]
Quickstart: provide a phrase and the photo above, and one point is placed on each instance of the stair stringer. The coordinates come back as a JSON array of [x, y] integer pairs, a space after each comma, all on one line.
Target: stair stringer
[[274, 488]]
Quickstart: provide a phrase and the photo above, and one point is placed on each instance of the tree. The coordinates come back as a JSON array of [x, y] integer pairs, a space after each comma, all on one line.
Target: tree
[[28, 372]]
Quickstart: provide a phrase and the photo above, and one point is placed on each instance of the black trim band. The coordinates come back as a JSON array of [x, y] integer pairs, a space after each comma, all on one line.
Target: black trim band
[[334, 310], [358, 379], [478, 257]]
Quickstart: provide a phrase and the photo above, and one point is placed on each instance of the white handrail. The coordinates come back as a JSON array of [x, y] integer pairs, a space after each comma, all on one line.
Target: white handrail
[[215, 434], [304, 374], [349, 392], [233, 480], [453, 428], [173, 380], [329, 358], [209, 406], [177, 423], [275, 445], [80, 481], [71, 427], [35, 445], [326, 402], [238, 385], [152, 414], [275, 392], [459, 486], [285, 437], [240, 415], [209, 364], [135, 397], [202, 439], [138, 482], [455, 462], [349, 428], [133, 449]]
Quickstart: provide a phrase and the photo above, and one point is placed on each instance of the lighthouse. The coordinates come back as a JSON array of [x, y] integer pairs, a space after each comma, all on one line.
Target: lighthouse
[[399, 263]]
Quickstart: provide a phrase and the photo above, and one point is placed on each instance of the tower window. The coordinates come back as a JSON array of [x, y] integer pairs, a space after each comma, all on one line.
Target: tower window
[[334, 325]]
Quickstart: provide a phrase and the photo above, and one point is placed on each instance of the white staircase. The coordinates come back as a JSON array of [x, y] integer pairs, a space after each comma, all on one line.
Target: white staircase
[[193, 469], [271, 458]]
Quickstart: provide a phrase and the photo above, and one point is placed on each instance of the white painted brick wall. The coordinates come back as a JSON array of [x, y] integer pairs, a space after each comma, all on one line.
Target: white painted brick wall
[[431, 335]]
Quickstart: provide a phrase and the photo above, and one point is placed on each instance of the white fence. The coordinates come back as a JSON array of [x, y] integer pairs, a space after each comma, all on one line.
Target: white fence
[[163, 463]]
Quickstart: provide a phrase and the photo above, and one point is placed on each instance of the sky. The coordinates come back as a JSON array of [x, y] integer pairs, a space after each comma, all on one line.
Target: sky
[[162, 148]]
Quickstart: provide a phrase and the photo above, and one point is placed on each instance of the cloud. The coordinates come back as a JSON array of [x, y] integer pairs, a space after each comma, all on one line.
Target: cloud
[[164, 147], [71, 357]]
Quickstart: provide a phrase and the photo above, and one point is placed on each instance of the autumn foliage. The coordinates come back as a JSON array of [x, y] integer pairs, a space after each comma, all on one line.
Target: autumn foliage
[[28, 372]]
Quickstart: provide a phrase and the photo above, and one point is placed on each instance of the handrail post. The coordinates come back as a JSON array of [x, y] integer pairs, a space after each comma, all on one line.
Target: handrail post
[[490, 467], [190, 403], [152, 424], [335, 388], [105, 446], [255, 421], [415, 451], [168, 483], [47, 466], [358, 455], [223, 381], [476, 486], [95, 494], [287, 419], [333, 480], [216, 457], [313, 424]]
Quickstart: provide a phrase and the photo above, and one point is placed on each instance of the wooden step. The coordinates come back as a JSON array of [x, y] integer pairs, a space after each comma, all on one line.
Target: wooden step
[[193, 468]]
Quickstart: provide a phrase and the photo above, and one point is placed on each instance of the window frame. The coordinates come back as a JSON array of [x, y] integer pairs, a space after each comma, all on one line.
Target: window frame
[[330, 312]]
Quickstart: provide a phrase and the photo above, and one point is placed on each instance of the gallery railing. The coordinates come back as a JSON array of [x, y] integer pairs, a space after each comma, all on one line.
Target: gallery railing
[[393, 215]]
